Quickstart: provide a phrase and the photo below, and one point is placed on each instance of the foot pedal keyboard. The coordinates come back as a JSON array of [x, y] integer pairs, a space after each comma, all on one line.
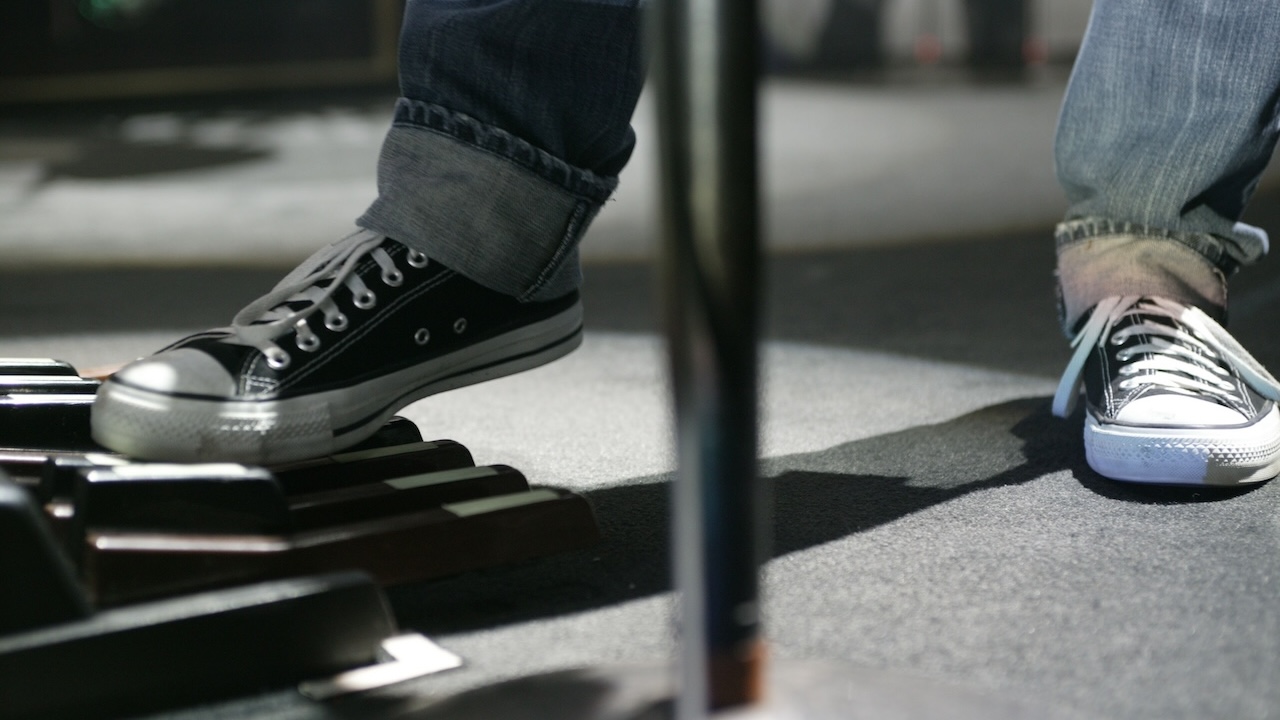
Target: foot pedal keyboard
[[396, 507], [132, 587], [143, 531]]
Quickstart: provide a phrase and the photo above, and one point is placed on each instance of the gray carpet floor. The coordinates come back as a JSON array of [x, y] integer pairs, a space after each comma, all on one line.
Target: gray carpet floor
[[932, 517]]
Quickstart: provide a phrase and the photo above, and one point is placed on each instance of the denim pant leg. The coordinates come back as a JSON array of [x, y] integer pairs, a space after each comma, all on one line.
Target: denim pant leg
[[511, 130], [1169, 119]]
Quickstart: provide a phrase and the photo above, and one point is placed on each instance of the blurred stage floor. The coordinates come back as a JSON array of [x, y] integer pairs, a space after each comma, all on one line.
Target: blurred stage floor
[[233, 183]]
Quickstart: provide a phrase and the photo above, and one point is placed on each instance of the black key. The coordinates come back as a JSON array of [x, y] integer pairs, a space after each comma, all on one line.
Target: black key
[[37, 584], [361, 466], [403, 494], [48, 384], [36, 366], [193, 650], [218, 498], [47, 418], [396, 431]]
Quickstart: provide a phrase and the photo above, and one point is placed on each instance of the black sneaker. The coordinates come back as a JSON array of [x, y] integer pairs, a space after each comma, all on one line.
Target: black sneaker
[[1171, 397], [357, 332]]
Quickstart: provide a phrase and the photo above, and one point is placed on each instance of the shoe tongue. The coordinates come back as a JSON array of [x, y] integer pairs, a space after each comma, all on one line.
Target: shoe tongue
[[1140, 313], [1132, 335], [1141, 336], [1133, 319]]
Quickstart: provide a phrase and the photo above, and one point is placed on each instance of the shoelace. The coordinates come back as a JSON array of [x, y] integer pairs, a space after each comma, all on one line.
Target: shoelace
[[1192, 361], [309, 289]]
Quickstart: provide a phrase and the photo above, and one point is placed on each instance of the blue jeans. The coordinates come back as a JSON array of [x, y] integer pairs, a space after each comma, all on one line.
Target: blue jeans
[[511, 130], [1169, 120]]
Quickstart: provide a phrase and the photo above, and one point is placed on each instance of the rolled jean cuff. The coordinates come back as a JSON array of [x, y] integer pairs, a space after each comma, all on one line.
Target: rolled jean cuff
[[483, 202], [1099, 259]]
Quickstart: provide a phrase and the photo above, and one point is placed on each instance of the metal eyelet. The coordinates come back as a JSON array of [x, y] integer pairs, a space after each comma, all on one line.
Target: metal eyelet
[[1125, 384], [422, 337], [306, 340], [460, 325], [366, 300], [417, 260], [277, 359], [392, 278], [1127, 370], [337, 323], [1118, 338]]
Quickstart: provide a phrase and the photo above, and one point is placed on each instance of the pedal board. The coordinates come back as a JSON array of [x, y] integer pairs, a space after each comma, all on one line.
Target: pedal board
[[101, 543], [61, 658]]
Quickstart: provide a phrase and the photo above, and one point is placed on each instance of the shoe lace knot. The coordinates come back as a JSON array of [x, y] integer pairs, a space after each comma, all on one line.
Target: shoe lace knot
[[1180, 350], [311, 288]]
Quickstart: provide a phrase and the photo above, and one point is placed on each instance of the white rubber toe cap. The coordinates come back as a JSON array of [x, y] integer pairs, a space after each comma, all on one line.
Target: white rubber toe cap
[[181, 371], [1178, 410]]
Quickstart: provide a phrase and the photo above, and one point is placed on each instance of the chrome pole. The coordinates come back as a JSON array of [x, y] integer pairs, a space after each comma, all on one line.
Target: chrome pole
[[706, 64]]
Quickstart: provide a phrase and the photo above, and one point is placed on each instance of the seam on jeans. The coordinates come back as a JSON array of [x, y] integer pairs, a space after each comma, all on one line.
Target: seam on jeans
[[581, 212], [1209, 305], [496, 141], [1060, 304], [1206, 245]]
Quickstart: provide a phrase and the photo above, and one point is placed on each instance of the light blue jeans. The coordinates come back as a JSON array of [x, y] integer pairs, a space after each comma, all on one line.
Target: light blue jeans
[[1170, 118], [513, 124]]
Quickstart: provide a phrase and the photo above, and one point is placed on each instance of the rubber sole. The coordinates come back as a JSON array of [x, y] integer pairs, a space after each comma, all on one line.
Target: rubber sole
[[157, 426], [1185, 456]]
